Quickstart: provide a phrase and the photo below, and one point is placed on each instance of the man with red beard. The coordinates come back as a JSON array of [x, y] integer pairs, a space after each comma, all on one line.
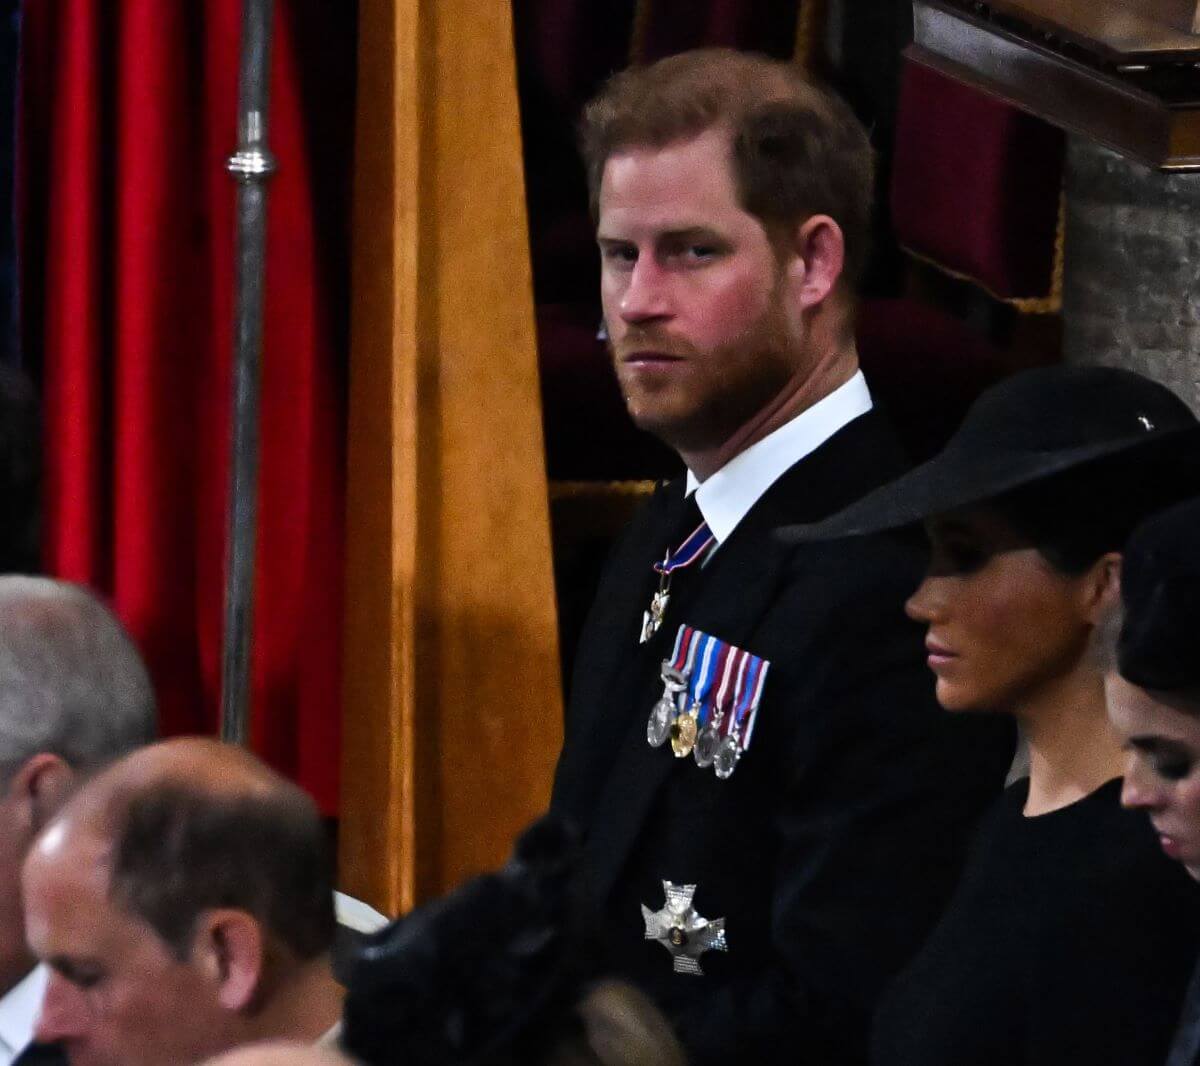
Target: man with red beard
[[773, 808]]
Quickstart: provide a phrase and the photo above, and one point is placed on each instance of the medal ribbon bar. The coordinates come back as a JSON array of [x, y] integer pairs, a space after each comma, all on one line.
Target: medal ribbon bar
[[721, 688], [741, 722], [680, 652], [725, 655], [703, 679], [697, 543]]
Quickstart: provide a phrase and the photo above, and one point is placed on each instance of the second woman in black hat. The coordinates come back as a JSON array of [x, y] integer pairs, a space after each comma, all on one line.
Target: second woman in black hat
[[1070, 937]]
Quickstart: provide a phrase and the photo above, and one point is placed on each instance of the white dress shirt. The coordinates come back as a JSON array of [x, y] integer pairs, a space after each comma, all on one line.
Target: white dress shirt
[[726, 497], [19, 1009]]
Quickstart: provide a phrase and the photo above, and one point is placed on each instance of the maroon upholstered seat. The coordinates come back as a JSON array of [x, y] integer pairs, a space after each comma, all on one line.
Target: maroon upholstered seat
[[925, 367], [565, 50], [672, 26], [975, 189], [976, 184]]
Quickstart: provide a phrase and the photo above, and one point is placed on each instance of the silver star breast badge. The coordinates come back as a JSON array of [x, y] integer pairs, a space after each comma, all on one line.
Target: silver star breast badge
[[683, 932]]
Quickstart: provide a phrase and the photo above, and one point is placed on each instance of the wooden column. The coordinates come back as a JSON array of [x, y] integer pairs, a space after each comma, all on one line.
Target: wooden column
[[453, 707]]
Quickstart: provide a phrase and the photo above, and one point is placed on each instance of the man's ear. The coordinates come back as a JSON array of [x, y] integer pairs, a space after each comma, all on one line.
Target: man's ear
[[1102, 588], [818, 256], [228, 945], [39, 788]]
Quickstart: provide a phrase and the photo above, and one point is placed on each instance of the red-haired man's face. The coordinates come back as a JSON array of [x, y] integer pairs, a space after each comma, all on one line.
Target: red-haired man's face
[[692, 293]]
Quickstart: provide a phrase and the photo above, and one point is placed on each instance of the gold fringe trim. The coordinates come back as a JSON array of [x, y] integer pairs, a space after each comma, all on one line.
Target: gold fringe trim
[[574, 490], [639, 31], [1050, 304], [810, 24]]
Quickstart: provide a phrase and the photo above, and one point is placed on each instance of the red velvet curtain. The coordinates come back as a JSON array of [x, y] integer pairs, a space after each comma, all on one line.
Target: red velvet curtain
[[128, 110]]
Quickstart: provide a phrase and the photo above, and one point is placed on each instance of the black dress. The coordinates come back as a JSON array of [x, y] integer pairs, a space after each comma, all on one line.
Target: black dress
[[1185, 1048], [1070, 940]]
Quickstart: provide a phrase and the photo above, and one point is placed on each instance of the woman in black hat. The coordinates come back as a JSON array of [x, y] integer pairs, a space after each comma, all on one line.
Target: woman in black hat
[[1154, 702], [1070, 937]]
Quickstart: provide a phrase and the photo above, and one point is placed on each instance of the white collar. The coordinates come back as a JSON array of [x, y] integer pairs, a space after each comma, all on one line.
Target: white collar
[[19, 1009], [331, 1036], [726, 497]]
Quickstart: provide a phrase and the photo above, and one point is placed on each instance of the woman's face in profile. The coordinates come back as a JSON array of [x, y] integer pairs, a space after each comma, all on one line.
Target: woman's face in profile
[[1161, 734], [1002, 621]]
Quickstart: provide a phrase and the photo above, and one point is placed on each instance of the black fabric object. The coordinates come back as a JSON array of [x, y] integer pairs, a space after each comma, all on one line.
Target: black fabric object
[[834, 845], [42, 1055], [347, 946], [1028, 427], [1069, 940], [1185, 1047], [1159, 644], [474, 975]]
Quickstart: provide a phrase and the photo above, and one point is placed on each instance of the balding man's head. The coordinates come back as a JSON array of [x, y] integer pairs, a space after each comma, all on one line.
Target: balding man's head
[[199, 884], [194, 824]]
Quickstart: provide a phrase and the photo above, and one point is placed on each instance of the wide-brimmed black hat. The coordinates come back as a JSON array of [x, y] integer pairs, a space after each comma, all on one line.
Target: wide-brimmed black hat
[[1159, 645], [1030, 426]]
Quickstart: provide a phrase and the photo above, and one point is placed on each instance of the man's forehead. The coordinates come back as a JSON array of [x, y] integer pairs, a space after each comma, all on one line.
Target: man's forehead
[[65, 868], [73, 842], [672, 181]]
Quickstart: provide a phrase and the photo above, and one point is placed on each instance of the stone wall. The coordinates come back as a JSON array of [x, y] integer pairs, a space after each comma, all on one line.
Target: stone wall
[[1131, 287]]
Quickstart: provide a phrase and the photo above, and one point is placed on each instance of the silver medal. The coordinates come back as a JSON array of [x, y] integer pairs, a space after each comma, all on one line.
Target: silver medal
[[726, 759], [707, 743], [684, 932], [666, 710], [658, 726]]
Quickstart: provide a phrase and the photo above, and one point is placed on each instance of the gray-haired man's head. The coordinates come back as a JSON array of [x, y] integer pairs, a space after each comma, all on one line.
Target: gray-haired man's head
[[74, 695]]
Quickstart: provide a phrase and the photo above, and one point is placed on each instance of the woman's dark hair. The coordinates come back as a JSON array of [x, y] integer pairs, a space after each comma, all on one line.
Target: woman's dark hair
[[1075, 517]]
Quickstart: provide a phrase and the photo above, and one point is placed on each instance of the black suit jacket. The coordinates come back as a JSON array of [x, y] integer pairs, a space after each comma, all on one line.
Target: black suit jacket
[[833, 846]]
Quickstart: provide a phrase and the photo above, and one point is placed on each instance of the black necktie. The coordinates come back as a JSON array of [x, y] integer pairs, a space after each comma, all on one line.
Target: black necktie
[[41, 1055]]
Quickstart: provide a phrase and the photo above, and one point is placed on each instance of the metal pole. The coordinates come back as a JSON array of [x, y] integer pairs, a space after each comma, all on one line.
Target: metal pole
[[251, 166]]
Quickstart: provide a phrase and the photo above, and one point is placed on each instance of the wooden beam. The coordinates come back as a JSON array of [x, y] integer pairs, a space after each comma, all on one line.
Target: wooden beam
[[1115, 107], [452, 694]]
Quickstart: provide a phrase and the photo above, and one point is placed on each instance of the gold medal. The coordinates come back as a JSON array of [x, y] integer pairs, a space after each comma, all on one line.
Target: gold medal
[[683, 732]]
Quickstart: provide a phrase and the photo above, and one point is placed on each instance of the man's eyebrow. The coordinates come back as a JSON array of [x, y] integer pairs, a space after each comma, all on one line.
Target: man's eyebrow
[[1156, 745], [71, 966], [679, 233]]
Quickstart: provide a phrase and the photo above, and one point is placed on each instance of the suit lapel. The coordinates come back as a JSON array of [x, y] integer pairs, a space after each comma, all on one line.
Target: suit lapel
[[602, 694]]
